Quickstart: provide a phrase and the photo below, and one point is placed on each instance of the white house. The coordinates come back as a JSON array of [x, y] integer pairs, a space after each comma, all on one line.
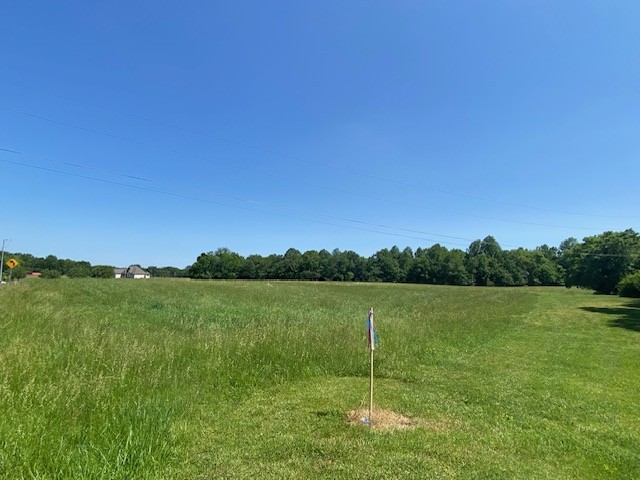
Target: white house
[[133, 271]]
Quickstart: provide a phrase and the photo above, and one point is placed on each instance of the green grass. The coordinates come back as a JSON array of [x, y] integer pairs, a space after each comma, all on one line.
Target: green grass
[[183, 379]]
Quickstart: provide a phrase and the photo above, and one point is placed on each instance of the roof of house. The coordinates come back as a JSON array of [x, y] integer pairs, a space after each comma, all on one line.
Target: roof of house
[[137, 270], [131, 270]]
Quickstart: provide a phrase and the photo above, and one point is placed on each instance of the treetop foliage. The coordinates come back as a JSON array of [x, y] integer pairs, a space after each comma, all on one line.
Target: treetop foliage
[[602, 261], [484, 263], [599, 262]]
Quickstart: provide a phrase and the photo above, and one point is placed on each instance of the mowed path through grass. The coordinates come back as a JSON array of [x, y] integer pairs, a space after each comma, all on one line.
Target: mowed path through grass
[[185, 379]]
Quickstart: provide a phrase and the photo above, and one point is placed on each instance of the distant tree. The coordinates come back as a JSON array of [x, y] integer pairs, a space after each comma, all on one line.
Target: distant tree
[[102, 271], [221, 264], [172, 272], [52, 263], [486, 263], [273, 267], [538, 267], [67, 265], [203, 266], [567, 245], [551, 253], [49, 273], [439, 266], [358, 263], [290, 264], [490, 247], [254, 267], [327, 264], [386, 266], [405, 260], [348, 265], [427, 264], [338, 266], [564, 249], [81, 272], [602, 261], [439, 262], [310, 267], [546, 269], [457, 273]]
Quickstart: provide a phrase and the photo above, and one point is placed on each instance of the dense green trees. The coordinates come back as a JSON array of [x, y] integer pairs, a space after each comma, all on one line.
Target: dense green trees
[[485, 263], [79, 271], [602, 261], [102, 271], [223, 263], [50, 273], [53, 267], [439, 266], [167, 271]]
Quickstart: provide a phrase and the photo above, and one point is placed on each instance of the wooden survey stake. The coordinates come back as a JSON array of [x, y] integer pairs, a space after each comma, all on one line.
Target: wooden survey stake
[[372, 337]]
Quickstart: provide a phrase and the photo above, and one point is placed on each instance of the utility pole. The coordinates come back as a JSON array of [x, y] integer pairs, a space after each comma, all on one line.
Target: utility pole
[[4, 241]]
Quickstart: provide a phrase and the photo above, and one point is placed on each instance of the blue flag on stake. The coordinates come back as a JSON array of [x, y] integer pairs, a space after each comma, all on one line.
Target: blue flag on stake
[[372, 335]]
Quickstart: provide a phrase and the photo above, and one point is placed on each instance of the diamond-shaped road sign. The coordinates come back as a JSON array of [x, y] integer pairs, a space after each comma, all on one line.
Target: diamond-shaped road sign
[[12, 263]]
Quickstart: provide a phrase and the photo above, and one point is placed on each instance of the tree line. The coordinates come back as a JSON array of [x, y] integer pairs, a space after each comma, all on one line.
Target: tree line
[[54, 267], [604, 263], [484, 263], [607, 263]]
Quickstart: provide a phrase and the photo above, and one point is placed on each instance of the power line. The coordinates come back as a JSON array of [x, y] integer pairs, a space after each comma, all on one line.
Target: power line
[[189, 197], [300, 182], [318, 164], [231, 197], [135, 177]]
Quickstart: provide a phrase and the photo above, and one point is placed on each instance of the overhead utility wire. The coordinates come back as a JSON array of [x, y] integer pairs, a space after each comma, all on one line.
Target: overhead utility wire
[[197, 199], [231, 197], [320, 164], [257, 202], [293, 180]]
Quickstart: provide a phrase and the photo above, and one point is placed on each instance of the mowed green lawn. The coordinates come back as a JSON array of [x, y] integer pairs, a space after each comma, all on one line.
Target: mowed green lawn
[[185, 379]]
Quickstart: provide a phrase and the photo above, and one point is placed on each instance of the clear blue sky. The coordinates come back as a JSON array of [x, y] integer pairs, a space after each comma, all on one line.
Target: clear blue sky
[[517, 119]]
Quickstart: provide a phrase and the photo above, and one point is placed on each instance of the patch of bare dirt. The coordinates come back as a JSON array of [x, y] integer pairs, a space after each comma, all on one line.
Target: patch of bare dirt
[[381, 419]]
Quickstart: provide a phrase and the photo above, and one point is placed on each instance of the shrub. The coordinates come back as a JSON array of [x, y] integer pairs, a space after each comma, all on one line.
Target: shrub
[[630, 285], [49, 273], [79, 272], [102, 271]]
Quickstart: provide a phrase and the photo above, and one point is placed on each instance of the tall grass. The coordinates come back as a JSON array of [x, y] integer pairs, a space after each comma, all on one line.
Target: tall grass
[[185, 379]]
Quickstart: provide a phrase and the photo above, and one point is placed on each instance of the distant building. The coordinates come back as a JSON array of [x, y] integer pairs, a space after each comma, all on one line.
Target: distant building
[[133, 271], [34, 274]]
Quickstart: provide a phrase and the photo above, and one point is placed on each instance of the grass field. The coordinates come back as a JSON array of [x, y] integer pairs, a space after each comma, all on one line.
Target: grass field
[[183, 379]]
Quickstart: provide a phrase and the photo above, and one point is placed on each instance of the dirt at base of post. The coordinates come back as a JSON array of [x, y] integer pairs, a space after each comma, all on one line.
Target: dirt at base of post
[[382, 419]]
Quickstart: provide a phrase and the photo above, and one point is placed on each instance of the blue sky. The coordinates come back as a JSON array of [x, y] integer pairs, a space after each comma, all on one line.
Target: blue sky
[[351, 125]]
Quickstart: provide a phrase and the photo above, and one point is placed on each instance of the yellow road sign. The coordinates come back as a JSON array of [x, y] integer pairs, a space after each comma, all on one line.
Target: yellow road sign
[[12, 263]]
